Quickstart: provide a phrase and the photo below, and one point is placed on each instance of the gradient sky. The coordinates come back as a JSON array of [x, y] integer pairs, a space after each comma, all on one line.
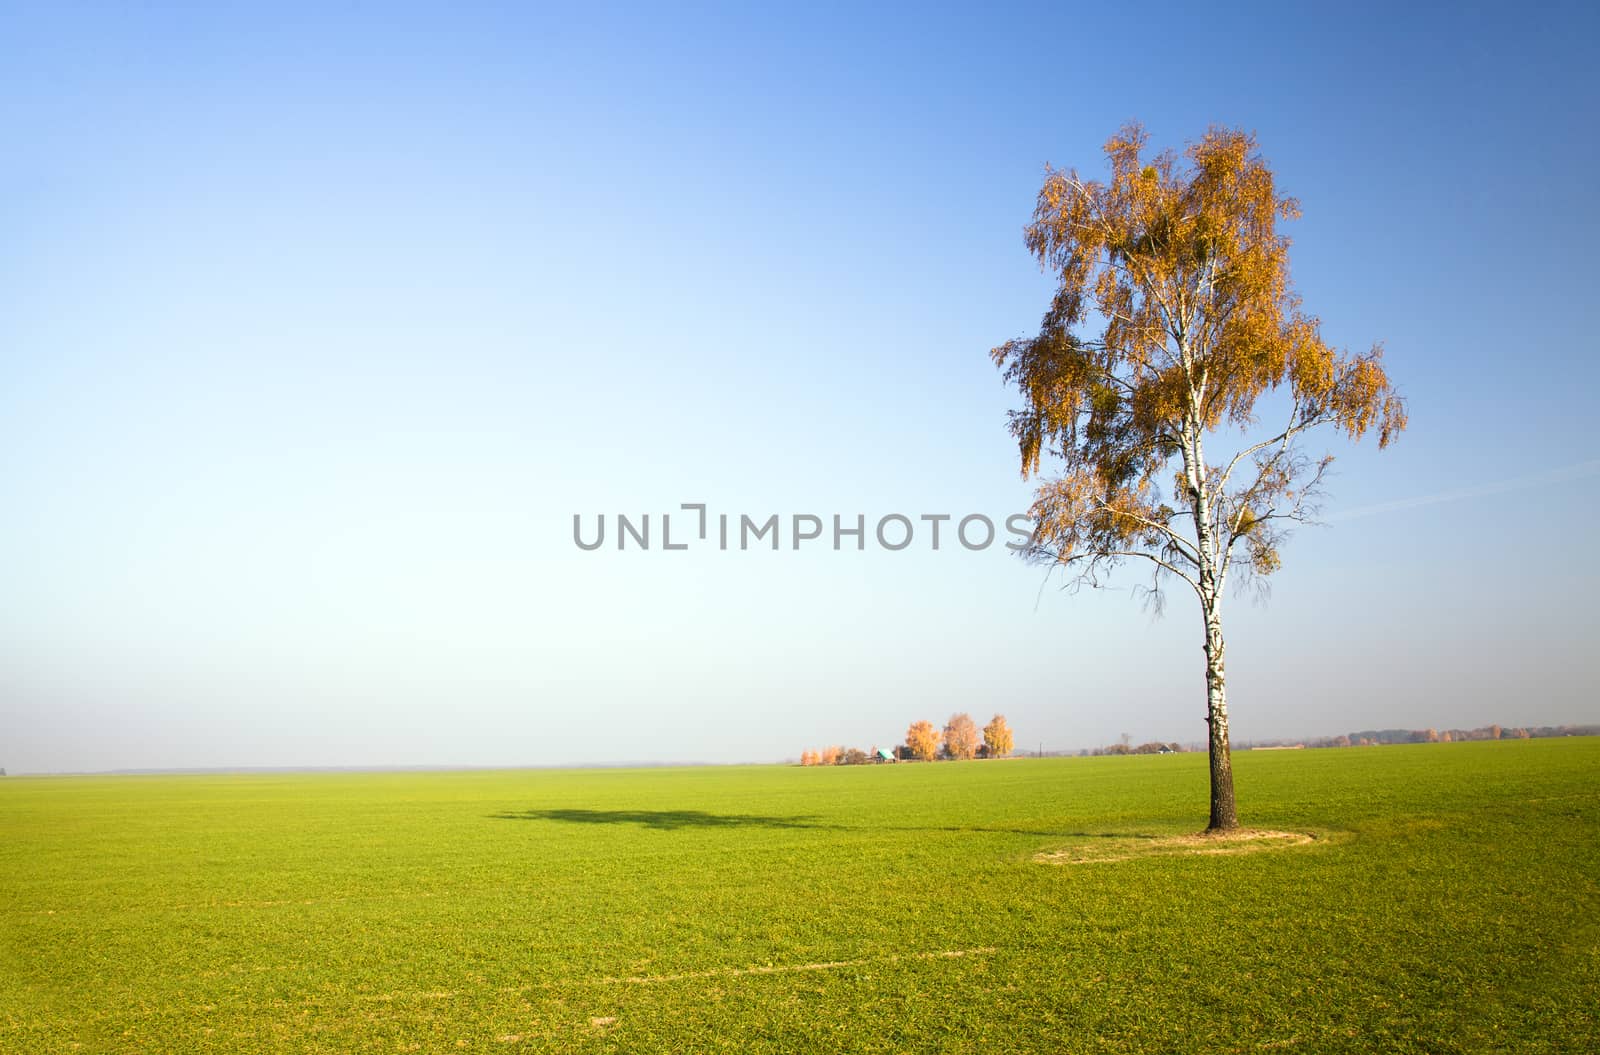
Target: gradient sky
[[317, 326]]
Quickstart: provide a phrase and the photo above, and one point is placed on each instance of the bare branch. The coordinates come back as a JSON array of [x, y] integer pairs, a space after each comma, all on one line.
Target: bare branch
[[1088, 563]]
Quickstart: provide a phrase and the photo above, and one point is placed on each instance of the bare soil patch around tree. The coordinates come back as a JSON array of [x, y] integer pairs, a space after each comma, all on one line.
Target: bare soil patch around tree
[[1105, 849]]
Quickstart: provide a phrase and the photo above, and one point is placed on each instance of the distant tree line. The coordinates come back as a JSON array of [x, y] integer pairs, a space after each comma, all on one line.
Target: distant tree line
[[959, 739], [1153, 747], [1372, 737], [1363, 738], [838, 756]]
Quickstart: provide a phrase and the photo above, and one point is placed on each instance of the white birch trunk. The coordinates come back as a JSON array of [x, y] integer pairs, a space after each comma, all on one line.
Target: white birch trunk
[[1224, 814]]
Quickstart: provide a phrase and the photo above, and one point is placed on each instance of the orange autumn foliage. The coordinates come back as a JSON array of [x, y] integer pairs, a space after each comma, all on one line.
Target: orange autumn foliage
[[923, 740]]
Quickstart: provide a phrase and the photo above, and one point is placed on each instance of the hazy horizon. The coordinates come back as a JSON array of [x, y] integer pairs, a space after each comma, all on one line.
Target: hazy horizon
[[318, 328], [1021, 752]]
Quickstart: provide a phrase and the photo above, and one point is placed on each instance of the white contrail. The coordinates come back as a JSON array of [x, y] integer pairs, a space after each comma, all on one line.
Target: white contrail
[[1516, 483]]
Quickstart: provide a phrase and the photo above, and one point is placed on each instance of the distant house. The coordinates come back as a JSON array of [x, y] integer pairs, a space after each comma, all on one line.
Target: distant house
[[884, 755]]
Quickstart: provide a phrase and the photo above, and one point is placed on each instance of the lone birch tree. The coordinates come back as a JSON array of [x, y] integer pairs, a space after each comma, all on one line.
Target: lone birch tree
[[1172, 319]]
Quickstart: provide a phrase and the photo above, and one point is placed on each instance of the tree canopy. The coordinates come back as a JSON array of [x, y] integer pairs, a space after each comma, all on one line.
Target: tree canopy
[[961, 736], [923, 740], [997, 737], [1177, 262]]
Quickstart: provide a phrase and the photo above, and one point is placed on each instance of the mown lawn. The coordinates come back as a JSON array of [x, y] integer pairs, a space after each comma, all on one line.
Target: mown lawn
[[1450, 904]]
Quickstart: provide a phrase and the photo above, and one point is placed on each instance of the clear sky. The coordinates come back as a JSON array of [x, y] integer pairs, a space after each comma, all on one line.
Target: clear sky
[[318, 325]]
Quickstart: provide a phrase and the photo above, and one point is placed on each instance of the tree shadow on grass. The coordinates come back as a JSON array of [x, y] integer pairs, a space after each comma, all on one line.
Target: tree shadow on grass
[[675, 820], [666, 820]]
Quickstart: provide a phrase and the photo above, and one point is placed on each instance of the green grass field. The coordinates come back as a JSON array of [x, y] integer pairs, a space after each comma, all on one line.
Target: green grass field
[[1450, 904]]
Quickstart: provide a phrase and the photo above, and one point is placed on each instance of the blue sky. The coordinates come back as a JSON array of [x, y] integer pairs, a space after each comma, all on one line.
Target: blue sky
[[317, 327]]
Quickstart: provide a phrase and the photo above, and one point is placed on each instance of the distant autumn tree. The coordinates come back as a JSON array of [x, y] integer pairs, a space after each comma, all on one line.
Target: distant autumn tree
[[808, 758], [1172, 318], [997, 737], [923, 740], [961, 737], [829, 756]]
